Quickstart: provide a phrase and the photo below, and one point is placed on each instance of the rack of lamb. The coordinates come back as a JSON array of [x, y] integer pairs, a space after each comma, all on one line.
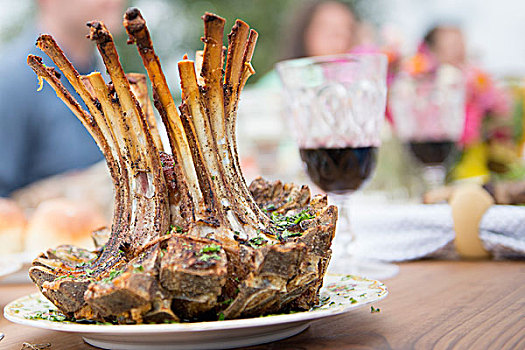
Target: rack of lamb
[[189, 240]]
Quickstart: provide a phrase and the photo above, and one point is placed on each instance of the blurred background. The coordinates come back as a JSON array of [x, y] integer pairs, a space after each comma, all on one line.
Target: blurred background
[[489, 26], [46, 155]]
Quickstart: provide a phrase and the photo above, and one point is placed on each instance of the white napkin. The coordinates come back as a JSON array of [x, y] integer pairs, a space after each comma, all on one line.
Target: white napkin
[[408, 232], [502, 231]]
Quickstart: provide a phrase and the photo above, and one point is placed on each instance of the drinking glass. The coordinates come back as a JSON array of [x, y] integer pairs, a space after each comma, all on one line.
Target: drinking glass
[[429, 114], [335, 107]]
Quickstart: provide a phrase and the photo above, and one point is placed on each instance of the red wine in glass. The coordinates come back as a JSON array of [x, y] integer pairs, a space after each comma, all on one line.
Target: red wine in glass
[[339, 170], [433, 155], [431, 152]]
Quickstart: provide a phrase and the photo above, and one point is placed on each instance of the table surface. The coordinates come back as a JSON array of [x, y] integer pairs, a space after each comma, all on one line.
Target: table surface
[[432, 304]]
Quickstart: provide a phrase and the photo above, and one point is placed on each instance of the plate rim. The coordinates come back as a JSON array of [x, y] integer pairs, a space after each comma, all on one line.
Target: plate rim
[[302, 316]]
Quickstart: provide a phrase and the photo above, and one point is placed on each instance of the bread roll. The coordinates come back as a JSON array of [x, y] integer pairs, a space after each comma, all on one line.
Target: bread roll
[[62, 221], [91, 185], [12, 227]]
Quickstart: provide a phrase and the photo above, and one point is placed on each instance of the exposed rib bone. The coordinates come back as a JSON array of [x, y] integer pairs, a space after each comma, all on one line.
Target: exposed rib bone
[[95, 123], [145, 171], [238, 70], [49, 75], [49, 46], [247, 59], [236, 85], [193, 106], [214, 104], [137, 30], [140, 90], [234, 66], [199, 55], [111, 112], [247, 71]]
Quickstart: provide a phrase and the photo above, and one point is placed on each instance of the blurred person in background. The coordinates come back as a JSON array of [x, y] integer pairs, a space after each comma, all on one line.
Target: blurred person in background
[[320, 28], [486, 142], [447, 45], [39, 136]]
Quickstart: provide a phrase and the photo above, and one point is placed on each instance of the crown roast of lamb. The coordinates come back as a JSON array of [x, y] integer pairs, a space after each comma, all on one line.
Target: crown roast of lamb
[[189, 239]]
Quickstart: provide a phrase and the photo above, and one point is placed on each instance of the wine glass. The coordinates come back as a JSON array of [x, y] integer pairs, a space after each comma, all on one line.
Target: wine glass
[[335, 108], [429, 114]]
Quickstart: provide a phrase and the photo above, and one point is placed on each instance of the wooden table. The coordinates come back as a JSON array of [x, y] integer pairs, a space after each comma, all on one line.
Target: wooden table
[[432, 304]]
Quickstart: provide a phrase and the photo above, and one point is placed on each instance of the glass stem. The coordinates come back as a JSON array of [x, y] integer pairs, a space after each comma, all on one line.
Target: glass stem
[[434, 176], [343, 234]]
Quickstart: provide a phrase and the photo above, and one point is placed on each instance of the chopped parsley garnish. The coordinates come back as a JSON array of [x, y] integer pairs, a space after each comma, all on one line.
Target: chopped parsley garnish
[[209, 252], [256, 241], [269, 207], [285, 224], [138, 268], [221, 316], [324, 300], [168, 321], [227, 301], [62, 277], [374, 310], [210, 248], [303, 215], [174, 229], [207, 257], [288, 234], [112, 275], [52, 315]]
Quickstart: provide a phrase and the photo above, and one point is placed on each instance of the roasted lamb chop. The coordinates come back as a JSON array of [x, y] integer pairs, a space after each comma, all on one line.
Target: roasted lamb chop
[[189, 239]]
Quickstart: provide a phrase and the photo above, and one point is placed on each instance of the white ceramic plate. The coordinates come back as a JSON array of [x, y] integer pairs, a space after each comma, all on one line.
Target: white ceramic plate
[[340, 294]]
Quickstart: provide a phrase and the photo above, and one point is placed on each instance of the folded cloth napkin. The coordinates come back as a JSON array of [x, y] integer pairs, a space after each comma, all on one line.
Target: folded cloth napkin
[[408, 232], [502, 231]]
